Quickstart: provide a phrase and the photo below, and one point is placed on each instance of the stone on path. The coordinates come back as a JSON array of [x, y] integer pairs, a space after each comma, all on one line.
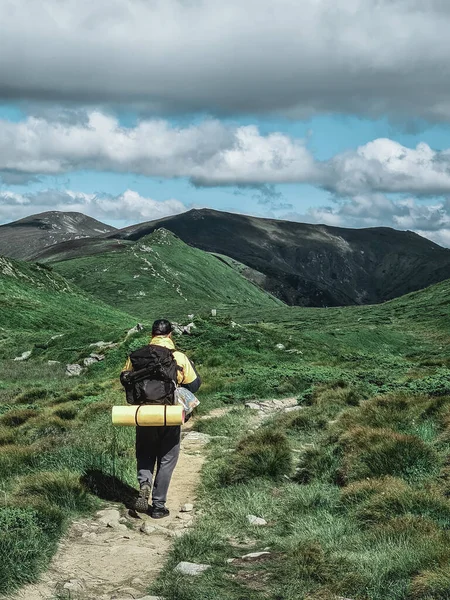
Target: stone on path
[[108, 515], [188, 568], [252, 555], [254, 520], [147, 528], [187, 508], [74, 585]]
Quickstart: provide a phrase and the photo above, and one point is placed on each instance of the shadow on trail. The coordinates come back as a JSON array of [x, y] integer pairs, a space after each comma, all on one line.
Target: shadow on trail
[[108, 487]]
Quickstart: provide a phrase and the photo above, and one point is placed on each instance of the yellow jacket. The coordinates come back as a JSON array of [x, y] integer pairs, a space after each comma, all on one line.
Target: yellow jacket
[[187, 374]]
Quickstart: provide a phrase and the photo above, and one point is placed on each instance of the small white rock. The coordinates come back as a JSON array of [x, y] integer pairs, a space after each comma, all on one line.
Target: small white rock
[[254, 555], [23, 356], [108, 514], [188, 568], [254, 520], [74, 585], [187, 507], [147, 528]]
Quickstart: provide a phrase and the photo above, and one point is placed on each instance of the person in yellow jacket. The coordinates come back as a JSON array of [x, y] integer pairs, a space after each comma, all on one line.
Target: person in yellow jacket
[[160, 446]]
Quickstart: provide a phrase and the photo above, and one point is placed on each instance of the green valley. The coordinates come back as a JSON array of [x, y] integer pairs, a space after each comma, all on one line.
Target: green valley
[[162, 273], [353, 484]]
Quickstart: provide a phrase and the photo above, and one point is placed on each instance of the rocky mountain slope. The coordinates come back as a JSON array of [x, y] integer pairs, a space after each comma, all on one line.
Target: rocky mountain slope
[[28, 236], [313, 265]]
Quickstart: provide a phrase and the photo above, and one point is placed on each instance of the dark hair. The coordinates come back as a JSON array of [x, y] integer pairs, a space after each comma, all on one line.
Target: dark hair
[[161, 327]]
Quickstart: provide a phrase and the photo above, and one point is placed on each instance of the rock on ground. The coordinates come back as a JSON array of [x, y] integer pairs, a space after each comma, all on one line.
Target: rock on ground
[[23, 356], [74, 370], [253, 555], [254, 520], [188, 568]]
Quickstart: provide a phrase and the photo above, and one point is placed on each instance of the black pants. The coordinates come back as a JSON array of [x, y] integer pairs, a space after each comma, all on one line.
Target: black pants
[[160, 447]]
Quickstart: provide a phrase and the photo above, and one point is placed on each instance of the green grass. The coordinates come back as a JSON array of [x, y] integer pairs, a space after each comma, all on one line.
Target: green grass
[[354, 485], [161, 274]]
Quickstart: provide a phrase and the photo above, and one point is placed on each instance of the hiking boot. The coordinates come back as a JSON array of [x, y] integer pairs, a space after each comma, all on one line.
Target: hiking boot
[[142, 500], [159, 512]]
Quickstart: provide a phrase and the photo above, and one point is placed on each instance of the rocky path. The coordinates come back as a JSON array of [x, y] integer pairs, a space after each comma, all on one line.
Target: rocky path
[[116, 554]]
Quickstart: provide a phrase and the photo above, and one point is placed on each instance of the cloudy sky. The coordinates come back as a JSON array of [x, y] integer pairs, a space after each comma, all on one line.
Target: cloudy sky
[[326, 111]]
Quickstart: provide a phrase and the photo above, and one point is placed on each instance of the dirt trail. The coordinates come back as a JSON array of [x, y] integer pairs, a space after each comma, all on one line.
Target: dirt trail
[[105, 558], [108, 556]]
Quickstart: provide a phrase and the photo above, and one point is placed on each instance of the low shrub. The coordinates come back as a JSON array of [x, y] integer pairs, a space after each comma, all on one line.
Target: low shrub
[[14, 458], [401, 412], [265, 453], [431, 585], [6, 435], [66, 411], [368, 452], [28, 537], [42, 427], [318, 463], [304, 420], [62, 489], [17, 417], [30, 396], [385, 505]]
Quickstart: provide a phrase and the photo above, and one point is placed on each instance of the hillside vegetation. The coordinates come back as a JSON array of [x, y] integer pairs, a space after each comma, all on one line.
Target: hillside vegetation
[[160, 273], [354, 485], [312, 265], [37, 304]]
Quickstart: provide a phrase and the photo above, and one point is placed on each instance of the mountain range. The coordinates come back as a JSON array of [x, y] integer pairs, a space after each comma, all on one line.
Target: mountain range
[[300, 264]]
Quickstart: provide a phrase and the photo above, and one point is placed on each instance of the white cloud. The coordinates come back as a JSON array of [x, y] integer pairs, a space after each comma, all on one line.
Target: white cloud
[[209, 153], [387, 166], [370, 57], [127, 208], [377, 210]]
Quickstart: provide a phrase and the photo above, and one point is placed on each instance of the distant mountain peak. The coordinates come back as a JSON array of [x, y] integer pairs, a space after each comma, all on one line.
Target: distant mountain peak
[[29, 236]]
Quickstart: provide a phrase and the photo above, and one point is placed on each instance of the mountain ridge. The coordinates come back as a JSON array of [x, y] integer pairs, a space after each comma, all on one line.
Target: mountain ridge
[[23, 238], [300, 263]]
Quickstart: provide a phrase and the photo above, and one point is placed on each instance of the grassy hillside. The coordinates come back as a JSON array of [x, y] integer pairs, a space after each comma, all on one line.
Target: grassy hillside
[[312, 265], [161, 274], [37, 304], [354, 486]]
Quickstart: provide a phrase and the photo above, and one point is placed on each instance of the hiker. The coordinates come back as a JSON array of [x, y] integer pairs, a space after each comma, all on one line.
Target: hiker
[[159, 446]]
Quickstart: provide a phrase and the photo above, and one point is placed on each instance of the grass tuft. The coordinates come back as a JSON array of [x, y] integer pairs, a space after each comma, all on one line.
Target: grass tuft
[[15, 418], [431, 585], [265, 453], [62, 489], [371, 452]]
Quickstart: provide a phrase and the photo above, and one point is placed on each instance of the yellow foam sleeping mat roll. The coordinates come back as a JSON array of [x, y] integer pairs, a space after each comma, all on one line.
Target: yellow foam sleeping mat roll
[[148, 415]]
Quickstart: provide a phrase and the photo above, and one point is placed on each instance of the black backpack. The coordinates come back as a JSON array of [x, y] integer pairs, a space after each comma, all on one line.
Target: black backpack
[[154, 376]]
